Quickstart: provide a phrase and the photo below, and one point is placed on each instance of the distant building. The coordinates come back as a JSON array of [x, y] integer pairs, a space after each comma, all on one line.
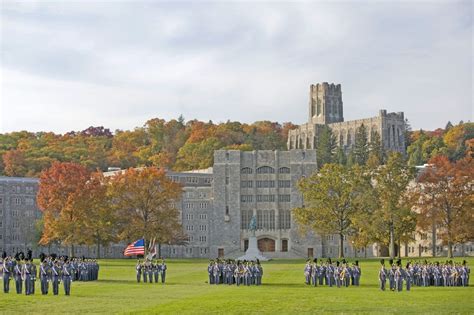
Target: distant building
[[326, 108]]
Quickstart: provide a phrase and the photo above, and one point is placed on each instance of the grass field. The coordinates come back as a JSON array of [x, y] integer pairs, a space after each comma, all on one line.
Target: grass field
[[283, 292]]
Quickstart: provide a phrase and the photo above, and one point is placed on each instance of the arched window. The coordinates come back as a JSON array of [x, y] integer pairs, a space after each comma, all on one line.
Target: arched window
[[246, 170], [284, 170], [265, 170]]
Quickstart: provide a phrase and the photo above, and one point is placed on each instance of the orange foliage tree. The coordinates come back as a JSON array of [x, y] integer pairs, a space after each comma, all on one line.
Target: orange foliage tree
[[60, 198], [145, 201], [444, 198]]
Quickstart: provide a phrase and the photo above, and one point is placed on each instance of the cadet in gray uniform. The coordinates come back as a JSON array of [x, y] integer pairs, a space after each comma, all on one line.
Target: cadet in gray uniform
[[163, 271], [7, 271], [382, 275], [138, 269], [44, 275], [18, 274], [67, 274], [56, 276]]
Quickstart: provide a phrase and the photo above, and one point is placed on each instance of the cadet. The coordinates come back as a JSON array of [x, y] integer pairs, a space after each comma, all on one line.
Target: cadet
[[307, 272], [44, 274], [7, 270], [209, 272], [163, 271], [408, 275], [138, 268], [398, 276], [156, 270], [314, 272], [391, 275], [67, 274], [382, 275], [18, 275], [55, 276]]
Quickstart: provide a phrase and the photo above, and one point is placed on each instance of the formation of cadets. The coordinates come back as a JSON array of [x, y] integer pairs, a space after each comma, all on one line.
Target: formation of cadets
[[150, 271], [330, 274], [425, 274], [52, 269], [238, 272]]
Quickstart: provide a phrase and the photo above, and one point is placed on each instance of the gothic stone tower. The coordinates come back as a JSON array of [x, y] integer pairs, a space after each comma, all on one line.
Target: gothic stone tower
[[325, 103]]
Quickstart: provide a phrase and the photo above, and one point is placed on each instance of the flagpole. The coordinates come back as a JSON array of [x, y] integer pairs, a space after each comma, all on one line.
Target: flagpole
[[144, 245]]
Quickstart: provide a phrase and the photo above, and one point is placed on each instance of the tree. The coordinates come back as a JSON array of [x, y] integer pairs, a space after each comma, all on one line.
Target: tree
[[361, 147], [325, 146], [444, 199], [15, 163], [60, 199], [101, 218], [331, 198], [376, 150], [392, 181], [145, 203]]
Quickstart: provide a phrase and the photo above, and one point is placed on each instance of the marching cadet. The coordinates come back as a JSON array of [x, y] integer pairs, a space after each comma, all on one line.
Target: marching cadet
[[408, 275], [150, 271], [258, 273], [391, 275], [28, 277], [347, 275], [44, 274], [145, 272], [398, 277], [7, 270], [33, 275], [67, 271], [55, 276], [209, 271], [163, 271], [329, 273], [307, 272], [322, 272], [138, 269], [382, 275], [156, 270], [18, 274], [356, 273], [314, 272], [215, 272], [337, 274]]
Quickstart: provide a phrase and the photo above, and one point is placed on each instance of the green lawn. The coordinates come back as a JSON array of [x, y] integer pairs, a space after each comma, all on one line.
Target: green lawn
[[283, 292]]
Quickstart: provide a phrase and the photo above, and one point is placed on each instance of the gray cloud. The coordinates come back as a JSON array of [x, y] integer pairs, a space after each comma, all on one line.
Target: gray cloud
[[69, 65]]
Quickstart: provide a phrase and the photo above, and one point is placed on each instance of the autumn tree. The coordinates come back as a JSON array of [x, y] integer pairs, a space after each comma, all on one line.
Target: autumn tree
[[361, 146], [331, 199], [444, 199], [14, 162], [145, 202], [391, 183], [100, 221], [60, 199], [325, 146]]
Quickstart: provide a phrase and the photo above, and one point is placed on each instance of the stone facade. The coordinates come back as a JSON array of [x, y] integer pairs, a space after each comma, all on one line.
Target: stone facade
[[326, 108]]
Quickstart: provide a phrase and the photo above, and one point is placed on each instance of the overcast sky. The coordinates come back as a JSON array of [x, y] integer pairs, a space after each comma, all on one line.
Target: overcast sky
[[72, 64]]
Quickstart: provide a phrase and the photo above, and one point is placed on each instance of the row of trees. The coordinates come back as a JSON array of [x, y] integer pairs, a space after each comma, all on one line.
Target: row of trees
[[173, 144], [386, 204], [85, 208]]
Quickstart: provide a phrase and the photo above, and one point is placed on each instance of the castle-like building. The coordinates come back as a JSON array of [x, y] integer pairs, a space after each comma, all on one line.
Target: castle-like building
[[326, 108], [218, 203]]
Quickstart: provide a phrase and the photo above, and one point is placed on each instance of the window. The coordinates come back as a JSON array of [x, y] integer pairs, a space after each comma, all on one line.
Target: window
[[285, 219], [246, 184], [29, 201], [284, 170], [266, 219], [284, 245], [284, 184], [245, 216], [202, 238], [265, 183], [246, 198], [203, 227], [265, 198], [265, 170], [226, 210], [189, 227], [246, 170], [203, 216], [284, 198], [17, 200]]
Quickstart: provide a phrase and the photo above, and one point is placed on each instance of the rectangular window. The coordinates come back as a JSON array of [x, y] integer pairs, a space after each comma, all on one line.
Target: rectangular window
[[284, 198], [265, 198], [246, 184], [284, 184], [246, 198]]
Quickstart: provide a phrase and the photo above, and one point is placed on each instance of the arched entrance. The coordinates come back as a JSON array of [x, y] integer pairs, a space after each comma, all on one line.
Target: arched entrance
[[266, 244]]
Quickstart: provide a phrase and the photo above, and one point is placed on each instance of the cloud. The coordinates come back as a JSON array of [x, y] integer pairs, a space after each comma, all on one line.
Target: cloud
[[69, 65]]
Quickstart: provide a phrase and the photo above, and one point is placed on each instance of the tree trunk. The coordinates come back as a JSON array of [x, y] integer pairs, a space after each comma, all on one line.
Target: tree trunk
[[98, 248], [406, 249], [71, 251], [433, 240], [392, 242], [341, 245], [159, 251], [450, 249], [365, 252]]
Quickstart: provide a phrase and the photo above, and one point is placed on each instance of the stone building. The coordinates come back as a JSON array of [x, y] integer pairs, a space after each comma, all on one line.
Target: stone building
[[326, 108]]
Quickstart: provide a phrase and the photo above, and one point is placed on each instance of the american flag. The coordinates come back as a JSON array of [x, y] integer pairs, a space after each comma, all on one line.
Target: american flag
[[136, 248]]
